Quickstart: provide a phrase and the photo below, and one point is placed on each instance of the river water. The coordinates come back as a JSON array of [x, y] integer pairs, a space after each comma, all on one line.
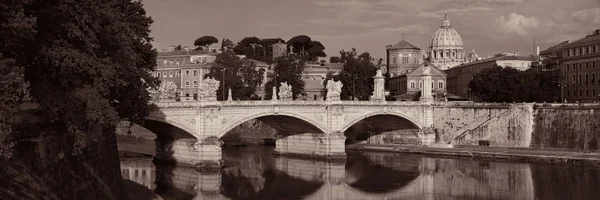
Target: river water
[[255, 173]]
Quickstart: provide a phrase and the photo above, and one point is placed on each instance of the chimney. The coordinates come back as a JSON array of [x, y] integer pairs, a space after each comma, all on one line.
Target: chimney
[[537, 51]]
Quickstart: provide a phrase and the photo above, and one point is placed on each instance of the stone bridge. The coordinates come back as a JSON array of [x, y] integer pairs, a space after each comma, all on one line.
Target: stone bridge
[[189, 131]]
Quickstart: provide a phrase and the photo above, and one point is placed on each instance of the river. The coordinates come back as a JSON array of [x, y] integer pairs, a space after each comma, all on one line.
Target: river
[[253, 172]]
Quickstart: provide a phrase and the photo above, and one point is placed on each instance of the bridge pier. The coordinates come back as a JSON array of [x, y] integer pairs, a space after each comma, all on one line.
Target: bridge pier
[[190, 152], [314, 145]]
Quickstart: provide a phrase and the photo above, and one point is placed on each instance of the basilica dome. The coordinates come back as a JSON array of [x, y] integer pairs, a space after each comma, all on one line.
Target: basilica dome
[[446, 49], [446, 37]]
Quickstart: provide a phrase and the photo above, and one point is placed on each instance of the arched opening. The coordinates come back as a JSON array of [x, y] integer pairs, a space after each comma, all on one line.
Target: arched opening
[[393, 126], [265, 129], [133, 139], [380, 175]]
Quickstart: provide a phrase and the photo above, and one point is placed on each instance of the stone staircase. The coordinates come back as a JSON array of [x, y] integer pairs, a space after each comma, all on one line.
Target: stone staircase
[[478, 122]]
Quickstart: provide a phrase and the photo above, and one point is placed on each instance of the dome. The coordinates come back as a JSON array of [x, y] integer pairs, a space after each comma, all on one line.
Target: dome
[[473, 54], [446, 37]]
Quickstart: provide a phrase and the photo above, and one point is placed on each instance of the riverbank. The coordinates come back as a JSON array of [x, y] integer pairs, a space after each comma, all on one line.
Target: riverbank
[[490, 153]]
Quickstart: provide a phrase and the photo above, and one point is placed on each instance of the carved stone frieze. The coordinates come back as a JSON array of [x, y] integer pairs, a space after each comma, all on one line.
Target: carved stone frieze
[[337, 110]]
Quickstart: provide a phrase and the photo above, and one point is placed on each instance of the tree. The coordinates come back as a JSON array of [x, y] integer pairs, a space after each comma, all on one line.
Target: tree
[[288, 69], [334, 59], [17, 32], [178, 48], [227, 44], [344, 55], [306, 47], [204, 42], [246, 46], [507, 84], [242, 77], [357, 75], [257, 49]]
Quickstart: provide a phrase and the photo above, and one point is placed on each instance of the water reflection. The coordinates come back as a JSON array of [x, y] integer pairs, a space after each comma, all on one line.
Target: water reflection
[[255, 173]]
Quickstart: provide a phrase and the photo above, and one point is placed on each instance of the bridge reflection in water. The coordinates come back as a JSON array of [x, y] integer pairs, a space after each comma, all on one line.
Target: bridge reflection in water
[[254, 173]]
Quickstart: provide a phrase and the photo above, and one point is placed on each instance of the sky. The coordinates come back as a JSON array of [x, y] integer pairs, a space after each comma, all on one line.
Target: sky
[[488, 26]]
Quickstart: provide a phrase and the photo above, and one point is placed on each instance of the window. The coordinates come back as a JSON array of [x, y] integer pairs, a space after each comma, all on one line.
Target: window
[[580, 93], [587, 94], [404, 60], [187, 94], [420, 84], [586, 79], [187, 84], [593, 78], [580, 79], [164, 74], [594, 92], [187, 73], [194, 72], [431, 84], [170, 74], [177, 73], [412, 85], [195, 83], [573, 79], [394, 60], [587, 65], [440, 84], [164, 62]]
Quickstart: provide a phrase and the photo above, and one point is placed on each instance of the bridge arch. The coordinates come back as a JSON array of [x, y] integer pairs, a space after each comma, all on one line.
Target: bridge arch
[[308, 125], [178, 128], [395, 115]]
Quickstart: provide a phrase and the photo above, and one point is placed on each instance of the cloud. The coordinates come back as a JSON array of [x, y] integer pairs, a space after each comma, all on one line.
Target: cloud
[[587, 16], [516, 23], [413, 29], [503, 1]]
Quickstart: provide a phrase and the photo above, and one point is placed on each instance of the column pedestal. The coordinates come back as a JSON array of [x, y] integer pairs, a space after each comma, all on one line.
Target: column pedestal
[[313, 145], [190, 152]]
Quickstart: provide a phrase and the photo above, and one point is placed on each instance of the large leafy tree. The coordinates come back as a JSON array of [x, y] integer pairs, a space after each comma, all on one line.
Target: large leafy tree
[[306, 47], [17, 32], [257, 49], [507, 84], [227, 44], [239, 75], [288, 69], [204, 42], [88, 64], [357, 75]]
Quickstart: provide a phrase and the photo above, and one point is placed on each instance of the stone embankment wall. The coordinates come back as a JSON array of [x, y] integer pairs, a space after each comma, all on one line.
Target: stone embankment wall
[[43, 152], [567, 127], [547, 126]]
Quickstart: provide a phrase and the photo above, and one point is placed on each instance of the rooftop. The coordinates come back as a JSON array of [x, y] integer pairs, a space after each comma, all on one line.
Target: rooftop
[[592, 38], [555, 47], [403, 44]]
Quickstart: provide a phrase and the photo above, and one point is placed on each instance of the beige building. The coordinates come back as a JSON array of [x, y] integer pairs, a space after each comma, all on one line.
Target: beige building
[[405, 86], [581, 68], [446, 49], [402, 58], [459, 77], [314, 75], [279, 49]]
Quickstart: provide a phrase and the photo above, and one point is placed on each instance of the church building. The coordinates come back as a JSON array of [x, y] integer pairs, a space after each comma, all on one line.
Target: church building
[[446, 49]]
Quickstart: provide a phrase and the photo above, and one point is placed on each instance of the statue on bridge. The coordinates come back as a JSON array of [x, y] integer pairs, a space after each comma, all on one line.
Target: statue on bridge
[[334, 88], [166, 90], [285, 91], [208, 89]]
